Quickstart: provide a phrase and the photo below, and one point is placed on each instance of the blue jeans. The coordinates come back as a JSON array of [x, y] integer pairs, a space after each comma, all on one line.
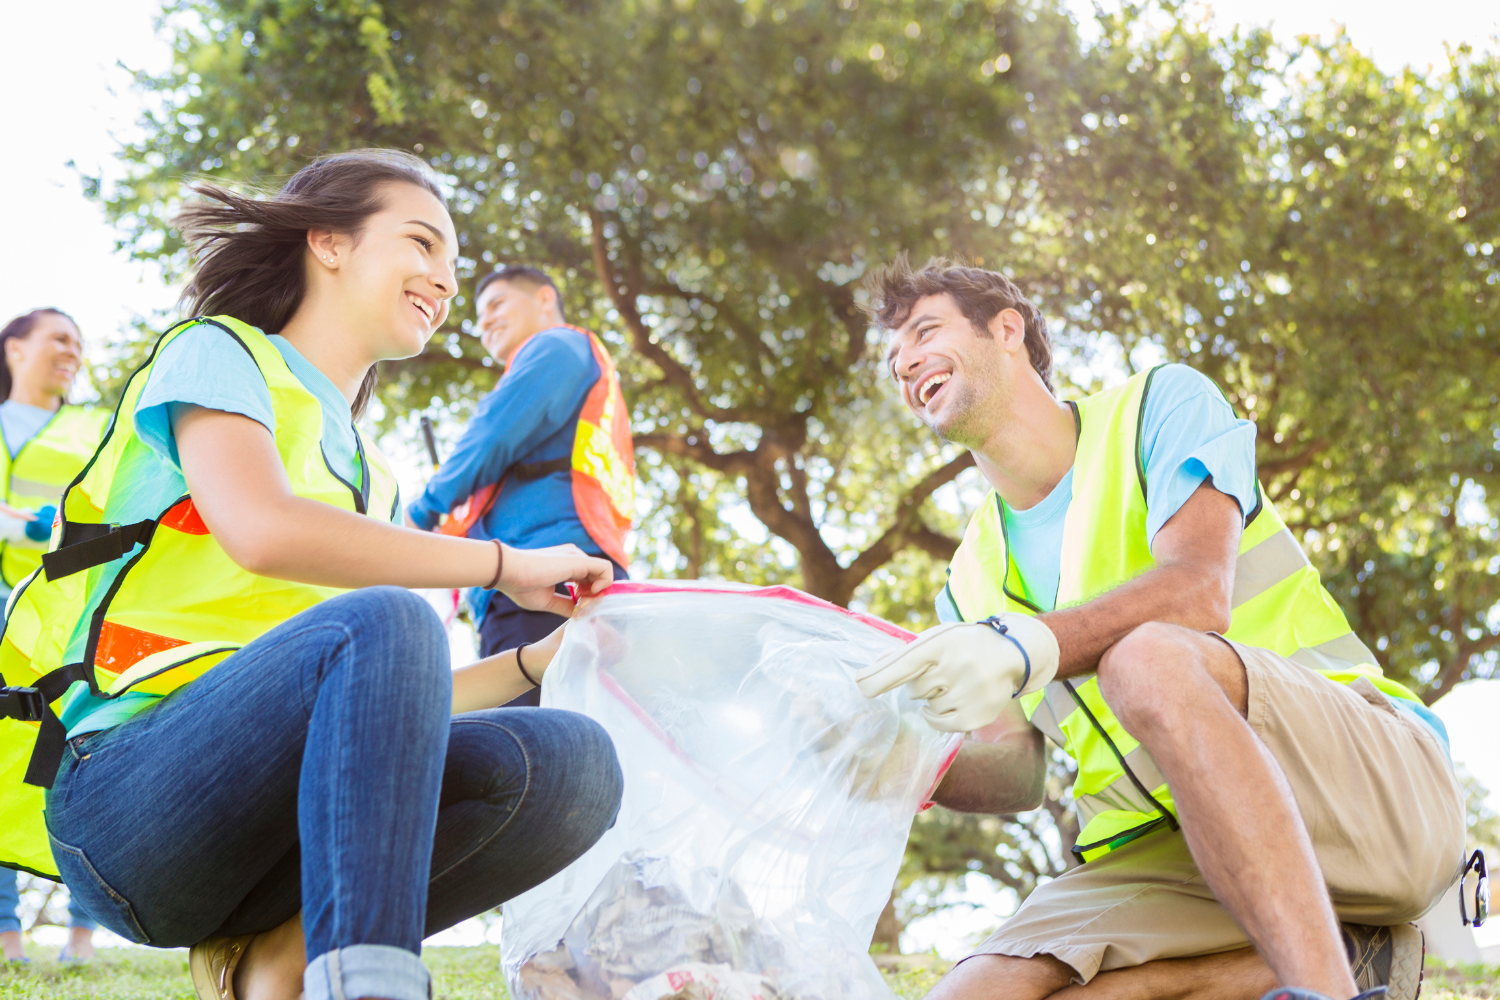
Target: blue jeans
[[10, 902], [319, 769]]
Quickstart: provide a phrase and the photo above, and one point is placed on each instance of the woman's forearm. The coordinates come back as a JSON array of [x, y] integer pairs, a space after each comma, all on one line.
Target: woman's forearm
[[240, 489], [311, 542], [488, 683]]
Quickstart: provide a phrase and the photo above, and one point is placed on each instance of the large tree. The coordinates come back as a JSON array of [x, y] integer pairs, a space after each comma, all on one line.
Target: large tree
[[709, 179]]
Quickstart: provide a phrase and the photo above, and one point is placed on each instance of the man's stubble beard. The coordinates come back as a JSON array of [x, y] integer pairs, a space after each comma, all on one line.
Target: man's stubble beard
[[982, 396]]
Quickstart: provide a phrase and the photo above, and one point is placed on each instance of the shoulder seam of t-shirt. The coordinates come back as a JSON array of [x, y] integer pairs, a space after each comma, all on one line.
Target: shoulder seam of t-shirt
[[1140, 423], [210, 321], [1179, 404]]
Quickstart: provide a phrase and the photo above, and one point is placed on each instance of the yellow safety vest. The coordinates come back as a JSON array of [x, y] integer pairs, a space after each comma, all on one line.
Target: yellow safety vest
[[1278, 599], [36, 476], [153, 604]]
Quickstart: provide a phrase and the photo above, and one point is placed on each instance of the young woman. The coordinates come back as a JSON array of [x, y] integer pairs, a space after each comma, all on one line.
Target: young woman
[[257, 763], [47, 442]]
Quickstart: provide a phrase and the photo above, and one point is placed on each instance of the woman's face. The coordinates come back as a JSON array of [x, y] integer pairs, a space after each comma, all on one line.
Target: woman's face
[[45, 361], [396, 278]]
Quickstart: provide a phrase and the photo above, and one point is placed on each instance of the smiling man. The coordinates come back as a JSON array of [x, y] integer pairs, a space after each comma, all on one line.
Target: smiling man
[[1247, 778], [548, 457]]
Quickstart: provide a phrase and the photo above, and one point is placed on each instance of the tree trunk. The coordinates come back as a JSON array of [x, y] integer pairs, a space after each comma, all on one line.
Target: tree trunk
[[888, 929]]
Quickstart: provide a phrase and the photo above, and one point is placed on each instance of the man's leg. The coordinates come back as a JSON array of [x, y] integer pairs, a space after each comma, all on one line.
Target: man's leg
[[1184, 696], [1232, 975], [1002, 976]]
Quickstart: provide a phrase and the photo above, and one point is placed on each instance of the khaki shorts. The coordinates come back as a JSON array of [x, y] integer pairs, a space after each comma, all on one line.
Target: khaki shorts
[[1374, 786]]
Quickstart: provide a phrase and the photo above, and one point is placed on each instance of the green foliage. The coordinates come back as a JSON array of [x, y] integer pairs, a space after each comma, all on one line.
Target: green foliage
[[1482, 822], [708, 180]]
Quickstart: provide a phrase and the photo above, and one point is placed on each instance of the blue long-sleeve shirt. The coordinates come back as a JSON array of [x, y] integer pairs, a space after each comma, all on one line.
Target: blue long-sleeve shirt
[[530, 417]]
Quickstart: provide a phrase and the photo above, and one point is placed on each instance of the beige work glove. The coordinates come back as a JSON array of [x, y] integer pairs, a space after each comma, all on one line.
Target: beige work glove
[[967, 672]]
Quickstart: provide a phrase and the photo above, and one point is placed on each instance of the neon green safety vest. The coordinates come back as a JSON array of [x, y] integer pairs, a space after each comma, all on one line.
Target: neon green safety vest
[[152, 604], [36, 476], [1279, 604]]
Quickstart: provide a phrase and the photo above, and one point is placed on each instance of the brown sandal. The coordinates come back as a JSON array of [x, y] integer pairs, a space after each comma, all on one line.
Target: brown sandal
[[212, 963]]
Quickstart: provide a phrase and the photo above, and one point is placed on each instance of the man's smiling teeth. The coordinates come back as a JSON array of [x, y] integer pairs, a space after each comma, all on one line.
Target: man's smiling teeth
[[426, 309], [930, 386]]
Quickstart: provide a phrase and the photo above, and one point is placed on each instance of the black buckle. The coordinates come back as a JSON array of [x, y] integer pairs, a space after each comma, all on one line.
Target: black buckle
[[1476, 865], [23, 703]]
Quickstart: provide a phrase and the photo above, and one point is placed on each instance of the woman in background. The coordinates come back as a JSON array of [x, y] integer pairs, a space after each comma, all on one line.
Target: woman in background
[[47, 443]]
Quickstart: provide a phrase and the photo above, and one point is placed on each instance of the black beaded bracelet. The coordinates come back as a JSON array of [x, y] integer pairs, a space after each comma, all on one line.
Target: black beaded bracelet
[[534, 683]]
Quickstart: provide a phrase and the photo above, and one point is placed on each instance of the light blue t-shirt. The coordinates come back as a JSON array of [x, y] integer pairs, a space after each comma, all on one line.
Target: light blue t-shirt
[[1189, 432], [20, 422], [207, 367]]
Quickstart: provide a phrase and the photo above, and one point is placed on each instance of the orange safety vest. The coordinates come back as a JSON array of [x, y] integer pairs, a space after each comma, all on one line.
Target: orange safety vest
[[603, 466]]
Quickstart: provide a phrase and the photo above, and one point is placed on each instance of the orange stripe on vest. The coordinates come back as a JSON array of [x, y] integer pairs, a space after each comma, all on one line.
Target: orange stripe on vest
[[183, 517], [121, 647]]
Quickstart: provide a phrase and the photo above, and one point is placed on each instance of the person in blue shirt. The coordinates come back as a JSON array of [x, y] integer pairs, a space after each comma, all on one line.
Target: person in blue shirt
[[522, 438]]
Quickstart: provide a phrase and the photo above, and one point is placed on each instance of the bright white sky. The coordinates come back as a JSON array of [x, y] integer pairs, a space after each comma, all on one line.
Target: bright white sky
[[66, 98]]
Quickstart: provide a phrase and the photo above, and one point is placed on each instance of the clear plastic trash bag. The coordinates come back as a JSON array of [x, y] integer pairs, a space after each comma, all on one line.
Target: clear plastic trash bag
[[767, 802]]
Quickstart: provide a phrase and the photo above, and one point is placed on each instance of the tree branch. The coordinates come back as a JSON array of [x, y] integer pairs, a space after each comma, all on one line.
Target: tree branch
[[1294, 463], [640, 335], [908, 525], [698, 449], [1453, 671]]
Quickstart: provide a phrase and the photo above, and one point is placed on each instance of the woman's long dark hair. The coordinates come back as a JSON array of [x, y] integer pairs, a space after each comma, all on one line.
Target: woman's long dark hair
[[248, 251], [19, 329]]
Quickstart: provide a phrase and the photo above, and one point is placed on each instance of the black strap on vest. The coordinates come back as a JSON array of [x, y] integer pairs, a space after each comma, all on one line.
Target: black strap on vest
[[85, 546], [536, 470], [33, 704]]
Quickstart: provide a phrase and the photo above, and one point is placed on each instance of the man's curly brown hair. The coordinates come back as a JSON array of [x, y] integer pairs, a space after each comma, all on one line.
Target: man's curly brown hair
[[980, 296]]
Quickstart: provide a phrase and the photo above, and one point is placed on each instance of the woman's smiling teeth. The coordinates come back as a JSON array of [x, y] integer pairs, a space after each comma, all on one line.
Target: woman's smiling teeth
[[930, 386], [422, 304]]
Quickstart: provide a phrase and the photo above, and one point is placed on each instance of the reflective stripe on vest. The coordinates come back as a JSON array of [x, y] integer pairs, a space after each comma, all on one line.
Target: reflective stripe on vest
[[1279, 603], [170, 608], [37, 475], [602, 465]]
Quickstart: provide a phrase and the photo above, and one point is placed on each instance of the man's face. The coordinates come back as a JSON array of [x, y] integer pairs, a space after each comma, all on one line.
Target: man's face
[[954, 378], [511, 311]]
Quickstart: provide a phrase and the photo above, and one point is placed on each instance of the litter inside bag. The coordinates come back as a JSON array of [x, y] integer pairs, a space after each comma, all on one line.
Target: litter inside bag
[[766, 806]]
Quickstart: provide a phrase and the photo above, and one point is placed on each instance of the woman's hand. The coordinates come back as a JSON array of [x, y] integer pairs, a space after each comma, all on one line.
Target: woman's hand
[[530, 577], [6, 510], [495, 680]]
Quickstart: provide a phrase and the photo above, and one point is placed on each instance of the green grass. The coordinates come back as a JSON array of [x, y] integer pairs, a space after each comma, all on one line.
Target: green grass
[[474, 974]]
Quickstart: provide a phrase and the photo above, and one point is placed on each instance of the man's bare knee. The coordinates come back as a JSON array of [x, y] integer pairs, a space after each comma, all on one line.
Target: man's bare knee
[[1155, 673], [983, 977]]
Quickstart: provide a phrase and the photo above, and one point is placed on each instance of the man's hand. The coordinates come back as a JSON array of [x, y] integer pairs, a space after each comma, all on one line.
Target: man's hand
[[967, 673]]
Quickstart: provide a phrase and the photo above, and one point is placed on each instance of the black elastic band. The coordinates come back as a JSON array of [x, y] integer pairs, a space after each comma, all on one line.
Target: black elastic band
[[85, 546], [536, 470], [534, 683], [52, 737], [994, 622]]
